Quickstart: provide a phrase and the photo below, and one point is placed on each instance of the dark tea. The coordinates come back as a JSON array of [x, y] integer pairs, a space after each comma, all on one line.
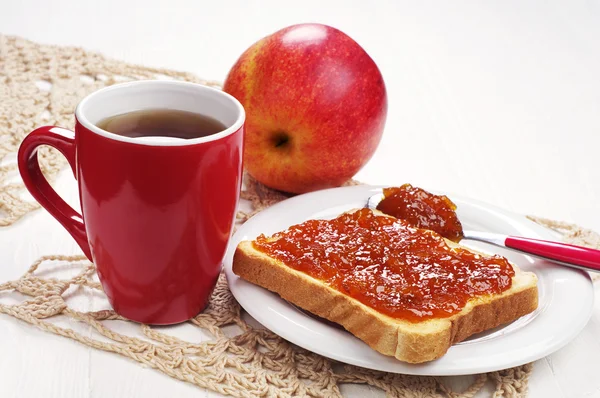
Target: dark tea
[[162, 123]]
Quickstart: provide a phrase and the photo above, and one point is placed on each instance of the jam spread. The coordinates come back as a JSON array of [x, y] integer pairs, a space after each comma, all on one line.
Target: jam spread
[[422, 210], [387, 264]]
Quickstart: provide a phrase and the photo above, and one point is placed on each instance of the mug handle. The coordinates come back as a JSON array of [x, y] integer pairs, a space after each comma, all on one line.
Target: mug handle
[[29, 168]]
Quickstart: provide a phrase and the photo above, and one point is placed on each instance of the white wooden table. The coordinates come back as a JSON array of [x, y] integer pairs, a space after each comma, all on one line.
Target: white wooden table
[[496, 100]]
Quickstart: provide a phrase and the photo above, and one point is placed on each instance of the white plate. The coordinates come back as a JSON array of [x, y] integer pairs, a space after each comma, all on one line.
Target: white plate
[[566, 296]]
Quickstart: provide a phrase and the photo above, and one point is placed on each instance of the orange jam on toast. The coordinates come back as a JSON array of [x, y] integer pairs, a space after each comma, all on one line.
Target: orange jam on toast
[[423, 210], [387, 264]]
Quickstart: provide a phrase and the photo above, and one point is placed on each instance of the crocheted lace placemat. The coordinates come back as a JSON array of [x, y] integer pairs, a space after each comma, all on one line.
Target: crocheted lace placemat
[[41, 85]]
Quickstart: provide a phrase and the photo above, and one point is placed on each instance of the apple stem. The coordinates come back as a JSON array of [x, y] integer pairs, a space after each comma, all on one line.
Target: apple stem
[[281, 139]]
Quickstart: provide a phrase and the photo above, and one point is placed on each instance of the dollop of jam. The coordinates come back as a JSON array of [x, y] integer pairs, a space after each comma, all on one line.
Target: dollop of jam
[[385, 263], [422, 209]]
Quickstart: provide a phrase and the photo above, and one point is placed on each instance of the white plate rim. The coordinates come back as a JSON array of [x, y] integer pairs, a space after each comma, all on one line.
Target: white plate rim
[[279, 317]]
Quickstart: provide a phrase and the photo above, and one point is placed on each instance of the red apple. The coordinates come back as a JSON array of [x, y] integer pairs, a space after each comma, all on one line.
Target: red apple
[[315, 107]]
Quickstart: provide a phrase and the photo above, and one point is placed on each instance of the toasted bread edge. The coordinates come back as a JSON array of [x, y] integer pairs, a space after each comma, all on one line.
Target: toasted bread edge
[[409, 342]]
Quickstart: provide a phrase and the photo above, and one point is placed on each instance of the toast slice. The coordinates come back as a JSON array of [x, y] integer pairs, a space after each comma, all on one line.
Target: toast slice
[[407, 341]]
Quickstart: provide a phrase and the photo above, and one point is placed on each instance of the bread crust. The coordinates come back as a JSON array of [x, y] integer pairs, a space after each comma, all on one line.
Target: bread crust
[[406, 341]]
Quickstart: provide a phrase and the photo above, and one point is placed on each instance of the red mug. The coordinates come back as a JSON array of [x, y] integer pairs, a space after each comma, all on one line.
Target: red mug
[[156, 214]]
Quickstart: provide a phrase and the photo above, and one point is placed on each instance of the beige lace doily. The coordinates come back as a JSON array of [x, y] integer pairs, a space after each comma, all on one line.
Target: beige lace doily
[[41, 84]]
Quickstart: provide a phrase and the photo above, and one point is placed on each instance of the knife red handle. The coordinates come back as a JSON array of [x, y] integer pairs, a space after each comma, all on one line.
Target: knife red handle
[[556, 251]]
